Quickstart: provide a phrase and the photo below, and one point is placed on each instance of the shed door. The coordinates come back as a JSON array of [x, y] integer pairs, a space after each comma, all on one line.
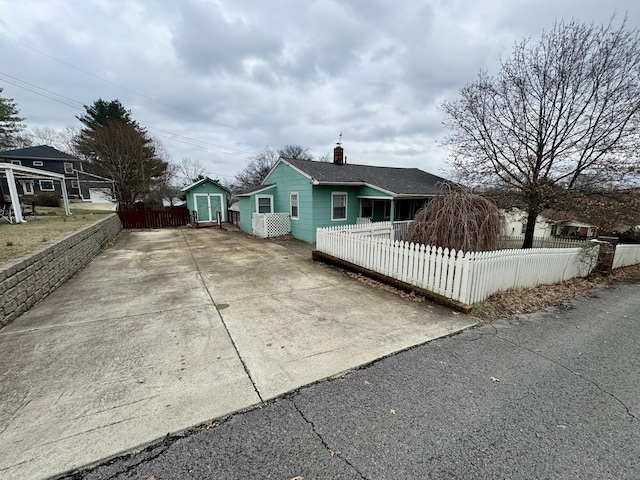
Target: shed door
[[202, 207], [216, 206]]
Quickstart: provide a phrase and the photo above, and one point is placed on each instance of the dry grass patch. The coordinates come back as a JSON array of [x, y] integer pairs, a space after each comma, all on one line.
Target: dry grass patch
[[20, 240], [518, 302]]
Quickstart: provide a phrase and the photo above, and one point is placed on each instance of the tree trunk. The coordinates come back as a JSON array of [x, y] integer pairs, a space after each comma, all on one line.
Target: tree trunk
[[532, 215]]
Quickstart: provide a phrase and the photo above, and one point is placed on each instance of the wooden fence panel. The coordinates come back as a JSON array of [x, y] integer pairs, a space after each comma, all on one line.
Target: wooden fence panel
[[153, 218]]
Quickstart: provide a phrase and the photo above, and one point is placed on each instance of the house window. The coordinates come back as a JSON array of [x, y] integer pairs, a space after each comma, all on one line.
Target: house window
[[47, 186], [68, 167], [16, 162], [366, 208], [27, 188], [294, 205], [37, 163], [387, 209], [75, 184], [264, 203], [338, 206]]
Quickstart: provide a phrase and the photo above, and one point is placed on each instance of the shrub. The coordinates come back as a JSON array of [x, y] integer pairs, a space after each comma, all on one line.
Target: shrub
[[48, 200], [457, 219]]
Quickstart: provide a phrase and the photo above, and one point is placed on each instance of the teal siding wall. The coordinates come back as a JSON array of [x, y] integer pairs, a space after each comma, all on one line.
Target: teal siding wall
[[206, 187], [247, 208], [322, 206], [372, 192], [289, 180]]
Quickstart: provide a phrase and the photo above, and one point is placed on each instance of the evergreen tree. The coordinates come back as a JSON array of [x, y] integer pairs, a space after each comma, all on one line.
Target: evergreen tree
[[116, 147], [11, 125]]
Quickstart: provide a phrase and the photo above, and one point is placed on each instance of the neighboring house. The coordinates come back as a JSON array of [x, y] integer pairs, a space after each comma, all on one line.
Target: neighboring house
[[321, 194], [548, 224], [205, 200], [80, 184], [515, 223]]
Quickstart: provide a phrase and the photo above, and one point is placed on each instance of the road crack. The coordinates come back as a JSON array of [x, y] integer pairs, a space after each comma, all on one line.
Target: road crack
[[564, 367], [332, 452], [123, 471]]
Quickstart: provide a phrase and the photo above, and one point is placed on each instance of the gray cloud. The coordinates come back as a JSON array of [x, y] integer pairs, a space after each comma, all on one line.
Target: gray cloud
[[236, 76]]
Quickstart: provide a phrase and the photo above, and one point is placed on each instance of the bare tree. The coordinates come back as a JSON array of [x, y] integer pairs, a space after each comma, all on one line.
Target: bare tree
[[62, 140], [260, 165], [256, 170], [296, 152], [560, 113], [187, 172]]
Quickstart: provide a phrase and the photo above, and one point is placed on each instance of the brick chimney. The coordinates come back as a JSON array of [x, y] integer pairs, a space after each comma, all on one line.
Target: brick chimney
[[338, 155]]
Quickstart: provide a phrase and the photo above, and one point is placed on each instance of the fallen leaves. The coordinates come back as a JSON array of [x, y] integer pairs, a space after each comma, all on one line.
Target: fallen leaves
[[393, 411], [296, 478], [335, 453], [562, 427], [382, 286], [494, 379], [527, 300]]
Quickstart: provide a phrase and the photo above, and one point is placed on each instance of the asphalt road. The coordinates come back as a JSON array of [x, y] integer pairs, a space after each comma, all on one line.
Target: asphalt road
[[551, 395]]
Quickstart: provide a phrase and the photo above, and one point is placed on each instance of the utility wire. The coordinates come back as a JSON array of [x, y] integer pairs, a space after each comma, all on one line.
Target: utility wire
[[159, 132], [129, 89]]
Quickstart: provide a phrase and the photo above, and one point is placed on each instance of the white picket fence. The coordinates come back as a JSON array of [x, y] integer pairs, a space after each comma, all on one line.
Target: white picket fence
[[541, 242], [366, 228], [626, 255], [465, 277], [267, 225]]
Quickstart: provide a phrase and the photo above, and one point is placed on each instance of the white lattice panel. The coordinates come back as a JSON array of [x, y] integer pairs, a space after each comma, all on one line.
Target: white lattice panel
[[271, 224]]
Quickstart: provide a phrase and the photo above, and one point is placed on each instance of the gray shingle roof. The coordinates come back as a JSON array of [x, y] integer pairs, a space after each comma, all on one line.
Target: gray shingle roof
[[256, 189], [400, 181], [41, 152]]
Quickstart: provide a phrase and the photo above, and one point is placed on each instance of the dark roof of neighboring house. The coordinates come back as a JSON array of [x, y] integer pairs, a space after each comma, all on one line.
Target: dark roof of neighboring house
[[399, 181], [203, 180], [41, 152]]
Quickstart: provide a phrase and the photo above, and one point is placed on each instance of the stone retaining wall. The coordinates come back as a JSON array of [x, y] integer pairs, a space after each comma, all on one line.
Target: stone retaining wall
[[28, 280]]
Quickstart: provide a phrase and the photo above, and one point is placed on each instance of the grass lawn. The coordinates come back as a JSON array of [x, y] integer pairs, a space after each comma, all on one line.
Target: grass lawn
[[18, 240]]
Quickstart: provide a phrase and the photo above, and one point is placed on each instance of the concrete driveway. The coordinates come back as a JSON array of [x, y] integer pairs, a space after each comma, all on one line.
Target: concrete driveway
[[171, 328]]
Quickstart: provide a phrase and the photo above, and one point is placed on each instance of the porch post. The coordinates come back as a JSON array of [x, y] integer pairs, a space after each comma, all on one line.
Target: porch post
[[65, 199], [392, 213], [15, 200]]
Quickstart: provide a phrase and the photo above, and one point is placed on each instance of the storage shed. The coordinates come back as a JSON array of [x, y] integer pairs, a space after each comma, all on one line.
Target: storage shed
[[206, 199]]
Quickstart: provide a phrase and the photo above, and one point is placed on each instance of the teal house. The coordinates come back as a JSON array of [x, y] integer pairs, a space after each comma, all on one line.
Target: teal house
[[206, 200], [321, 194]]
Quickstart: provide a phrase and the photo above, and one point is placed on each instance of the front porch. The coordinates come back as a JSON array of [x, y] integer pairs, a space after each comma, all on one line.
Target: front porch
[[389, 209]]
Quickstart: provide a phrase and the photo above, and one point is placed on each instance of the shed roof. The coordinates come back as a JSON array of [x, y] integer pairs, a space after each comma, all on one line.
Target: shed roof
[[204, 180], [396, 180]]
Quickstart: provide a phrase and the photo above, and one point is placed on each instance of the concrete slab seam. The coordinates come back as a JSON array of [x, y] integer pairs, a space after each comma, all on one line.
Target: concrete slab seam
[[244, 365]]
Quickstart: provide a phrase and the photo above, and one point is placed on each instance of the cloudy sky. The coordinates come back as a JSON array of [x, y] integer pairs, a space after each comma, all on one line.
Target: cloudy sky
[[219, 80]]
